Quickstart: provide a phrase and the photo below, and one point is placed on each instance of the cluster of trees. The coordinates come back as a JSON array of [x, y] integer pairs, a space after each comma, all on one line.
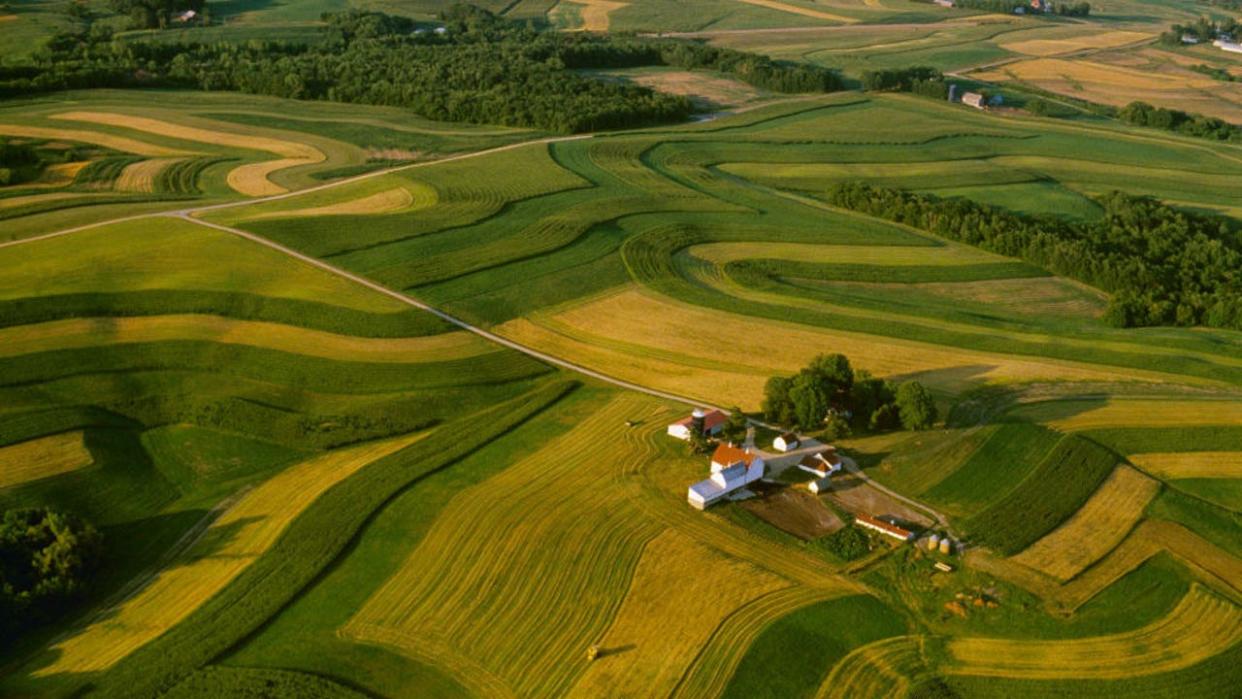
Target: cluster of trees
[[1163, 266], [1078, 9], [920, 80], [1203, 29], [46, 559], [829, 396], [1197, 125], [482, 69], [1216, 73], [150, 14], [19, 162]]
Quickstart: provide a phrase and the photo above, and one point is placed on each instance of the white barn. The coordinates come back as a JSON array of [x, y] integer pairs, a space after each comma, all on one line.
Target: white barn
[[732, 469], [786, 442], [713, 422]]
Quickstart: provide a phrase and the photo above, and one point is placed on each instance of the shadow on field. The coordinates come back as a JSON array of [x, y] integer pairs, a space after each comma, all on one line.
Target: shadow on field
[[617, 650]]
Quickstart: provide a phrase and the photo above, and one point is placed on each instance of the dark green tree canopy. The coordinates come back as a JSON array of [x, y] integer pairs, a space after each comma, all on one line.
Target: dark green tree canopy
[[46, 558]]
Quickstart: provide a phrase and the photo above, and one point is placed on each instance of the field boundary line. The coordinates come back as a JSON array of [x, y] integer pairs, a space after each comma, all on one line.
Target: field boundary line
[[188, 212]]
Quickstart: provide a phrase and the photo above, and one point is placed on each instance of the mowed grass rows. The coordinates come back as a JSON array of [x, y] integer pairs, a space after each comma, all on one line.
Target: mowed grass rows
[[43, 458]]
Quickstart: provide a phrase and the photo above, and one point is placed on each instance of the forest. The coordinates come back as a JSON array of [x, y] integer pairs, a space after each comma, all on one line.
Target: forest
[[481, 69], [1197, 125], [1162, 266]]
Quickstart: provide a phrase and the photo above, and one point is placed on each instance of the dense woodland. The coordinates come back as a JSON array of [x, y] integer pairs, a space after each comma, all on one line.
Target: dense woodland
[[1163, 266], [1065, 9], [481, 69], [920, 80], [46, 558], [829, 395]]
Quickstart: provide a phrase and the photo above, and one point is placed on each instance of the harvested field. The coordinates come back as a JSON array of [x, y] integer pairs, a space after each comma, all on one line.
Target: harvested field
[[99, 138], [1201, 626], [1076, 415], [706, 91], [886, 668], [389, 201], [43, 458], [674, 575], [795, 511], [1090, 40], [595, 13], [96, 332], [799, 10], [1041, 295], [1093, 531], [561, 515], [889, 255], [250, 179], [142, 175], [241, 534], [660, 342], [1191, 464]]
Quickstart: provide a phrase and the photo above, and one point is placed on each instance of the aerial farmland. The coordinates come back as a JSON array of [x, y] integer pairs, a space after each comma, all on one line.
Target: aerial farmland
[[634, 348]]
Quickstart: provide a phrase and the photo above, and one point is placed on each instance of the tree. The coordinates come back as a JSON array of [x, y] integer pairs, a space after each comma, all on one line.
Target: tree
[[777, 407], [916, 406], [46, 558], [810, 401], [735, 427]]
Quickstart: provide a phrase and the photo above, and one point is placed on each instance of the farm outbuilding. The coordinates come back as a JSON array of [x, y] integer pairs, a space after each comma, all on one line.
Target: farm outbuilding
[[709, 423], [819, 485], [886, 528], [974, 99], [823, 464], [786, 442]]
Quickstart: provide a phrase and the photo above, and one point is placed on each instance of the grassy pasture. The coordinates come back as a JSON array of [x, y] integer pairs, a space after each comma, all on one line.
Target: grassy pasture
[[43, 458], [1004, 460], [1095, 529], [1079, 415], [1200, 627], [1202, 464]]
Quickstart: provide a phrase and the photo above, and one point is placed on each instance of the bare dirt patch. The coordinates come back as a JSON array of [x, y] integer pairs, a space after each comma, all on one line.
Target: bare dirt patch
[[860, 497], [794, 511]]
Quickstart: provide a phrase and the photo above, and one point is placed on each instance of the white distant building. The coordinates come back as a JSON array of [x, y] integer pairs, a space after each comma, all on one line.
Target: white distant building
[[823, 464], [1189, 39], [732, 470], [885, 528], [711, 424], [819, 485], [186, 16], [944, 3], [786, 442], [975, 99], [1227, 46]]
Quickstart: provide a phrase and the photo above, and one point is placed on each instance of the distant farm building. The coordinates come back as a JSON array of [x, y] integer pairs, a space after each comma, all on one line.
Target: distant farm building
[[885, 528], [1190, 39], [944, 3], [819, 485], [1229, 46], [823, 464], [732, 470], [187, 16], [786, 442], [707, 423], [974, 99]]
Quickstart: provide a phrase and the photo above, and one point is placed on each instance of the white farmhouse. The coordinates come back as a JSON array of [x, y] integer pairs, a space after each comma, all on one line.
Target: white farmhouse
[[710, 423], [732, 469], [786, 442]]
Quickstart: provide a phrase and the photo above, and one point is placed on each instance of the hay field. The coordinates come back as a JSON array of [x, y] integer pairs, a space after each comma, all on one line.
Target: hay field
[[1090, 40], [596, 14], [1190, 464], [674, 575], [1078, 415], [1107, 518], [1201, 626], [463, 598], [241, 534], [141, 176], [800, 10], [889, 255], [100, 332], [385, 202], [98, 138], [656, 341], [251, 179], [886, 668], [43, 458]]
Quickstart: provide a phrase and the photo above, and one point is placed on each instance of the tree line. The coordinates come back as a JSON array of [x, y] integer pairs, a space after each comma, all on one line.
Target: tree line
[[1078, 9], [920, 80], [1177, 121], [1202, 29], [1161, 265], [829, 396], [481, 69], [46, 559]]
